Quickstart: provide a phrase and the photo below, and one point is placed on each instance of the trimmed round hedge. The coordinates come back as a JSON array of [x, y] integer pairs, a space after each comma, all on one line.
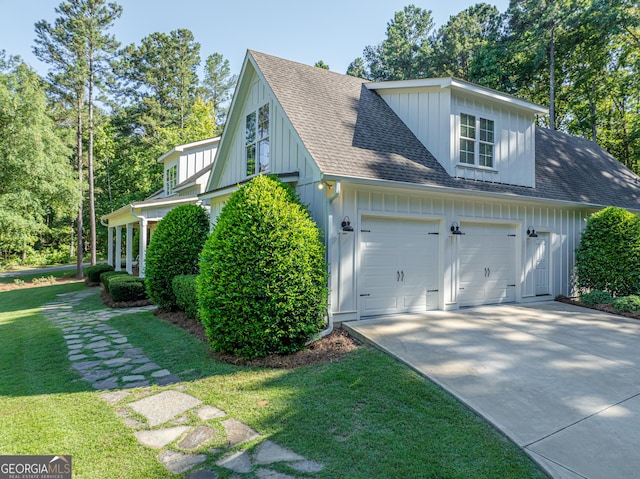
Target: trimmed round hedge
[[174, 249], [262, 287], [608, 256]]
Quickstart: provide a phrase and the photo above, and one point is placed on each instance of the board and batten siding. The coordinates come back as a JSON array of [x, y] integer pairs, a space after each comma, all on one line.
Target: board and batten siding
[[561, 225], [433, 115], [193, 161]]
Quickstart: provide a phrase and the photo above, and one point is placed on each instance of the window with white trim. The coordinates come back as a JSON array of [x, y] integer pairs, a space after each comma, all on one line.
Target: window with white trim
[[257, 141], [171, 180], [477, 140]]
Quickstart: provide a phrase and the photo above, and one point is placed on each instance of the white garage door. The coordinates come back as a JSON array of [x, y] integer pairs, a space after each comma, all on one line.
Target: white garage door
[[399, 261], [487, 264]]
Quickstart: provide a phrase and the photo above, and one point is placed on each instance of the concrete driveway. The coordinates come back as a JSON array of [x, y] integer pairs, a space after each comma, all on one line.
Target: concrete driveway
[[562, 382]]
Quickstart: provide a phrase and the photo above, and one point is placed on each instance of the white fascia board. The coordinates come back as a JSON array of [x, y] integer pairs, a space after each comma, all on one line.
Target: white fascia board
[[452, 192], [460, 86], [186, 146]]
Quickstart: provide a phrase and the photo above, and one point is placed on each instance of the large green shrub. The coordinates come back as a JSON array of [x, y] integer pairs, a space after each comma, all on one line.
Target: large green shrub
[[104, 277], [608, 256], [184, 289], [174, 249], [262, 283], [93, 272]]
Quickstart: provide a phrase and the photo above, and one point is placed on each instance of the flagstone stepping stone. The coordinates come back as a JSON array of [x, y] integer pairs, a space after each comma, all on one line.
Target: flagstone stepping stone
[[197, 437], [133, 352], [115, 396], [160, 437], [98, 345], [160, 374], [202, 474], [269, 474], [129, 379], [83, 365], [75, 346], [237, 462], [137, 384], [209, 412], [116, 362], [306, 466], [178, 463], [109, 383], [145, 367], [164, 406], [77, 357], [120, 340], [71, 336], [237, 433], [107, 354], [269, 452], [96, 374]]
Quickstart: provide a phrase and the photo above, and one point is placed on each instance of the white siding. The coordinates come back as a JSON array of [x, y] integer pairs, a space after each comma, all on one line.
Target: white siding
[[562, 225]]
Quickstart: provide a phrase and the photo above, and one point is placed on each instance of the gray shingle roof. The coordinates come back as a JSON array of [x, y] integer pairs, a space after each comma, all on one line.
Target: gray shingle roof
[[350, 131]]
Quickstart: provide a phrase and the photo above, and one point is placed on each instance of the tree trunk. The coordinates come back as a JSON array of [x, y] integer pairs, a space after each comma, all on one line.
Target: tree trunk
[[552, 79], [92, 202], [79, 272]]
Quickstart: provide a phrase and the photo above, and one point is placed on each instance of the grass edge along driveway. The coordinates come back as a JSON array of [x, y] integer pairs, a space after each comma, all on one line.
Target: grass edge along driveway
[[365, 416]]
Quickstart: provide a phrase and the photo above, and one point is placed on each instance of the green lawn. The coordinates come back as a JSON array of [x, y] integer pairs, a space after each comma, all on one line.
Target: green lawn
[[365, 416]]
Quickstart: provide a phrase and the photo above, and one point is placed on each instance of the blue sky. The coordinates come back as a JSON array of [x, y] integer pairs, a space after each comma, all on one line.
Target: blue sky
[[335, 31]]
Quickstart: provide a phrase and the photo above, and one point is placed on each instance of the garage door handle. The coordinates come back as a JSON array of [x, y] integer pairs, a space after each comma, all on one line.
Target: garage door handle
[[489, 270], [485, 272], [402, 275]]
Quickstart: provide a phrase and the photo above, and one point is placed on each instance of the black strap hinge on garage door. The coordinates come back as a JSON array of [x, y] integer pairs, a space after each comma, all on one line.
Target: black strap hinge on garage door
[[365, 231], [366, 294], [433, 233], [511, 285], [512, 235], [432, 290]]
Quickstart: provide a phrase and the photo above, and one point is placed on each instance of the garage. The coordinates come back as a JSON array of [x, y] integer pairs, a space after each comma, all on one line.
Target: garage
[[486, 264], [399, 265]]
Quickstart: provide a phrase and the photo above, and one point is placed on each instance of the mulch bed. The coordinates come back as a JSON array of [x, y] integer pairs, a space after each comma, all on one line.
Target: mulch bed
[[606, 308]]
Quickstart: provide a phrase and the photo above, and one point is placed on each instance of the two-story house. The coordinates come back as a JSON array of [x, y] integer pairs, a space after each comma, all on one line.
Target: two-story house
[[186, 173], [432, 194]]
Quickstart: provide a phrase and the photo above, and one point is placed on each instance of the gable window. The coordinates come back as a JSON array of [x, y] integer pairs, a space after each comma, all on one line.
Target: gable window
[[477, 140], [171, 178], [257, 141]]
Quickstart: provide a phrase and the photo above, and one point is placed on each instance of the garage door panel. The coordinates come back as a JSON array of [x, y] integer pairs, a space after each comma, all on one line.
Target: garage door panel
[[487, 264], [399, 264]]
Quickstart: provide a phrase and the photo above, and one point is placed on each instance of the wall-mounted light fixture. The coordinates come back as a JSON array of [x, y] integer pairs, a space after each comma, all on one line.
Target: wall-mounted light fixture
[[531, 232], [455, 229], [346, 224]]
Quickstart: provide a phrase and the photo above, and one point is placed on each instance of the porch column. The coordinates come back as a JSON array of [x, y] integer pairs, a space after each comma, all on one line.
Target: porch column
[[110, 246], [129, 248], [118, 264], [143, 247]]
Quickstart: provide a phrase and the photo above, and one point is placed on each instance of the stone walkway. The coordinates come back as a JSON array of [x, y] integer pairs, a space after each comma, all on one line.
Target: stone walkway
[[176, 423]]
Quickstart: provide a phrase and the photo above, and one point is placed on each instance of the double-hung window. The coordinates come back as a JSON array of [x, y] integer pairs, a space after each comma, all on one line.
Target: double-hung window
[[477, 140], [171, 179], [257, 141]]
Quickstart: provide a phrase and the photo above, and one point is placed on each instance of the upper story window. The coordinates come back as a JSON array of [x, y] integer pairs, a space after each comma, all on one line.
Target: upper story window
[[257, 141], [477, 140], [171, 179]]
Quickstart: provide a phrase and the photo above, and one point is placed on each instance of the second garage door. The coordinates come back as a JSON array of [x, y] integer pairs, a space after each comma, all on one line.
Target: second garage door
[[487, 264], [399, 261]]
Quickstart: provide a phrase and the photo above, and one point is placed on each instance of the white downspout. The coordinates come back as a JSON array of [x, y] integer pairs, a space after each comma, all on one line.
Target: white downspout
[[330, 199]]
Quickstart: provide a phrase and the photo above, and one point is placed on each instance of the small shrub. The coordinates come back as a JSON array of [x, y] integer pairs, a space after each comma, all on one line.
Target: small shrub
[[596, 297], [174, 249], [127, 288], [104, 277], [262, 287], [18, 282], [627, 304], [184, 288], [93, 272]]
